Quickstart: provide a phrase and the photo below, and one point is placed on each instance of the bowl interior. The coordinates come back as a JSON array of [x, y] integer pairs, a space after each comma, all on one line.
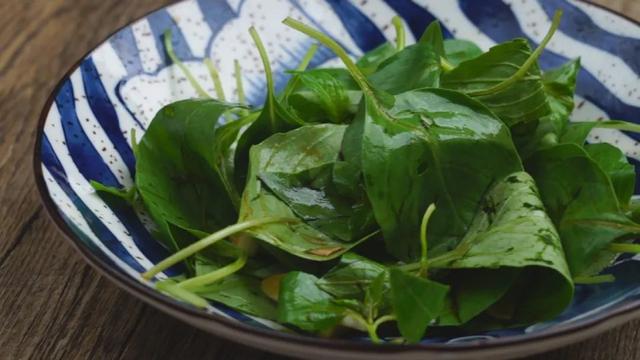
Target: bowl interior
[[120, 85]]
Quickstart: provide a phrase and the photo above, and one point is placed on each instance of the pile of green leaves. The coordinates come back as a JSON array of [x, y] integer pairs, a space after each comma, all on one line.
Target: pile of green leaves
[[424, 186]]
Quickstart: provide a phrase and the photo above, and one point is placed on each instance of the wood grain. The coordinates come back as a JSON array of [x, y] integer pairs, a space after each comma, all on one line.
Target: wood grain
[[52, 305]]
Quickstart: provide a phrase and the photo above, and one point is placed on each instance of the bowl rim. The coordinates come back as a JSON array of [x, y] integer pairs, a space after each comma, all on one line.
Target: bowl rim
[[299, 344]]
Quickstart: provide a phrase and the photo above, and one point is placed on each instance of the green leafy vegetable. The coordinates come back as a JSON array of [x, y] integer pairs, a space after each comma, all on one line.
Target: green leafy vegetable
[[433, 36], [454, 150], [306, 148], [458, 50], [416, 302], [130, 195], [512, 230], [417, 66], [274, 117], [179, 176], [559, 85], [500, 77], [351, 277], [614, 163], [239, 291], [417, 147], [481, 76], [370, 61], [305, 305], [389, 196], [584, 208], [324, 96]]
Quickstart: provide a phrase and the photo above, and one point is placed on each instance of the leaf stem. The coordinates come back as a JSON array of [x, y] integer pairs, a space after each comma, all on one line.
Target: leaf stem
[[423, 239], [400, 32], [440, 260], [383, 319], [218, 274], [239, 86], [267, 69], [372, 327], [215, 77], [446, 65], [302, 66], [208, 241], [594, 280], [624, 248], [308, 56], [134, 141], [522, 71], [373, 334], [337, 49], [168, 45], [617, 124], [171, 288]]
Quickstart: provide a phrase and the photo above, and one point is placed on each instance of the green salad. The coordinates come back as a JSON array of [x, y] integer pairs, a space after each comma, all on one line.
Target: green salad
[[420, 189]]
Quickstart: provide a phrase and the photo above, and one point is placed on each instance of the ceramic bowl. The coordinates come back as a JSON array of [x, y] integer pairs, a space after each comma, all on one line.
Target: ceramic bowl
[[121, 84]]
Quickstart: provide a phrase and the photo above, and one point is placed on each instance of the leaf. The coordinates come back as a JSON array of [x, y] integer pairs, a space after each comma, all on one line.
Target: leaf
[[415, 67], [577, 132], [274, 117], [370, 61], [582, 202], [416, 302], [512, 230], [375, 299], [240, 291], [441, 147], [523, 101], [432, 36], [350, 278], [615, 164], [473, 291], [559, 85], [303, 304], [324, 95], [294, 152], [176, 170], [458, 50], [171, 288], [311, 196], [318, 304], [128, 195], [224, 145]]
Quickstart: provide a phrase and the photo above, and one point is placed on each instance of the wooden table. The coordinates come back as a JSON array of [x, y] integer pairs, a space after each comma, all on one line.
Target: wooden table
[[52, 304]]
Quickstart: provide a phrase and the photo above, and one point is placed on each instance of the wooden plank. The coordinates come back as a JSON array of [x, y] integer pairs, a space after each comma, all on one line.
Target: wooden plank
[[54, 306]]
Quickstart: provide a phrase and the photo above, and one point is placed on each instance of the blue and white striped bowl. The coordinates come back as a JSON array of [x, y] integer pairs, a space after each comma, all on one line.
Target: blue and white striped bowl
[[120, 85]]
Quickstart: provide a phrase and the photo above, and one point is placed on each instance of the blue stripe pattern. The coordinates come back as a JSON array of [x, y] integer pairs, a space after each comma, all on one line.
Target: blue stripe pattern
[[417, 17], [81, 149], [160, 21], [92, 167], [124, 43], [361, 29], [104, 112], [51, 162], [149, 246], [216, 15], [576, 24], [88, 242]]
